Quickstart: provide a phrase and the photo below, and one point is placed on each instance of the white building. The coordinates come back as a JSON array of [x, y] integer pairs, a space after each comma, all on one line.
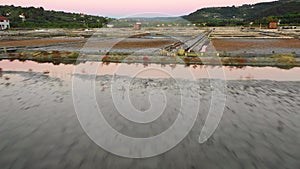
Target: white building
[[4, 23], [110, 25]]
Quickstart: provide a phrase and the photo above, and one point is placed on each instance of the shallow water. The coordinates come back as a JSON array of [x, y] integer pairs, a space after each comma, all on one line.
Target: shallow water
[[158, 71], [40, 128]]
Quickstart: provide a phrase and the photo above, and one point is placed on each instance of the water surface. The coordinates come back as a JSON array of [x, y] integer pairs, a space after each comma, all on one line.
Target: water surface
[[158, 71]]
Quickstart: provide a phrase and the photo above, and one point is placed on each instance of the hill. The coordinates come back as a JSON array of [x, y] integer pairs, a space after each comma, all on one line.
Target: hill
[[288, 11], [40, 18], [150, 21]]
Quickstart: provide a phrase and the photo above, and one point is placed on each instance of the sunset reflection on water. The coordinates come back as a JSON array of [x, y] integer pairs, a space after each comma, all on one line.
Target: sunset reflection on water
[[64, 71]]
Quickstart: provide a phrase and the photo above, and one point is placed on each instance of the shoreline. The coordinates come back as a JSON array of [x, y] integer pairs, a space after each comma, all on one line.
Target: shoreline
[[284, 61]]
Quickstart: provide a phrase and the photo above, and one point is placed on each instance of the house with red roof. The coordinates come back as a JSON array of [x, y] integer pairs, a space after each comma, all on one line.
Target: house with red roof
[[4, 23]]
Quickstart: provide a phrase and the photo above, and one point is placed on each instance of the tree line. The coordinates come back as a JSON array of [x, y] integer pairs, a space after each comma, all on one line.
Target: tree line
[[31, 17]]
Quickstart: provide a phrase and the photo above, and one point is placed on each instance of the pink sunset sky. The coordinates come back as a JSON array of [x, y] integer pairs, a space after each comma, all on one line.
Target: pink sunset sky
[[124, 8]]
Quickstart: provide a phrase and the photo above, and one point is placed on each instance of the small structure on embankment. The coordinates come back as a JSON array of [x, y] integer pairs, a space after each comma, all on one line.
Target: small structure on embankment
[[273, 25], [137, 26]]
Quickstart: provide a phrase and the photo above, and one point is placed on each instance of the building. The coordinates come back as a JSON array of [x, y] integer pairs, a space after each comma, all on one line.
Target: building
[[273, 25], [4, 23], [110, 25], [137, 26], [23, 17]]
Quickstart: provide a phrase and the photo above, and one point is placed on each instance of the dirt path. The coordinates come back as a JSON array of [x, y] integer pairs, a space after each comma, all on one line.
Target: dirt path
[[37, 42]]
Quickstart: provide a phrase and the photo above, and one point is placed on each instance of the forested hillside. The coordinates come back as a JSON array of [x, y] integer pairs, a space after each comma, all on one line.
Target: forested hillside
[[288, 11], [31, 17]]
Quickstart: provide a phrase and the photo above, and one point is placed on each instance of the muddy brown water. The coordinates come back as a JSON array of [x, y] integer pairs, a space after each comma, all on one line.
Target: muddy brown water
[[259, 127]]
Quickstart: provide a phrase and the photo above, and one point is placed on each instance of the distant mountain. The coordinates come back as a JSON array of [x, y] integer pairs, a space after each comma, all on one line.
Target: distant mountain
[[31, 17], [150, 21], [288, 11]]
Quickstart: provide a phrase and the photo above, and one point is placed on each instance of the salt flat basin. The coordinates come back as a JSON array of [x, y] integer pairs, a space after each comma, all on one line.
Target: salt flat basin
[[40, 129]]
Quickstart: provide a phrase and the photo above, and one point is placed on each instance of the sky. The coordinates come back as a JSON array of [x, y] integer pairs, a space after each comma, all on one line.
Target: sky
[[127, 8]]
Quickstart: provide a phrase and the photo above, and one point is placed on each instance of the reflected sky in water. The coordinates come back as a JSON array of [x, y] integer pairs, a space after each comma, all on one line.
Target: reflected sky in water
[[156, 70]]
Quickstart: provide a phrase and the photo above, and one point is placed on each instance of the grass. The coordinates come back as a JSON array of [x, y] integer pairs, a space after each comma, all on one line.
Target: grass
[[285, 58]]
